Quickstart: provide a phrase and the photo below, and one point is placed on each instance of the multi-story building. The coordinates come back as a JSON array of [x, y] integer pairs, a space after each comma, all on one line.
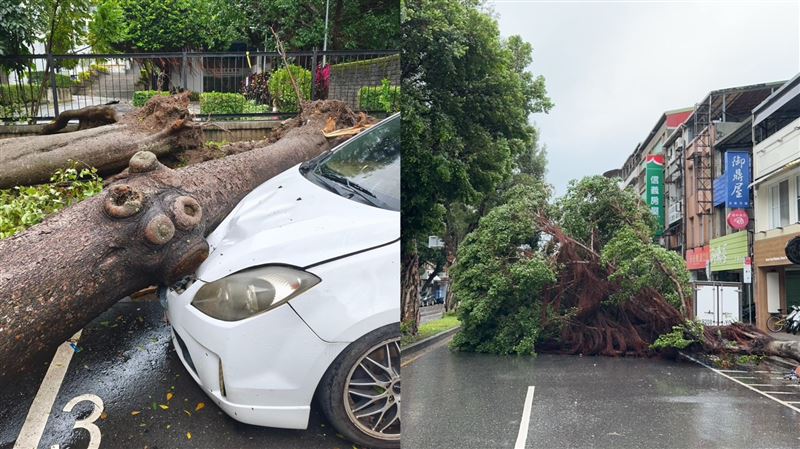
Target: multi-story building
[[634, 169], [715, 127], [776, 183]]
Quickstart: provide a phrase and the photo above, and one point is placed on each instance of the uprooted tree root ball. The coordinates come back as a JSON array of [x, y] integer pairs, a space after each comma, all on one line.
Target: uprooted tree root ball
[[582, 276], [147, 227]]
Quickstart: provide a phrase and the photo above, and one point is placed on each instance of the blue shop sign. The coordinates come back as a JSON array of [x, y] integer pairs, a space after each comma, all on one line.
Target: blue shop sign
[[737, 178]]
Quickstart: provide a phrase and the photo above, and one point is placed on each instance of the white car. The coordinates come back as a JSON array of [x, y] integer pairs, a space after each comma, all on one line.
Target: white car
[[300, 295]]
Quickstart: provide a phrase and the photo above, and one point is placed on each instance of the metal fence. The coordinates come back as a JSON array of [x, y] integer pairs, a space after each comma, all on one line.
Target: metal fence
[[366, 80]]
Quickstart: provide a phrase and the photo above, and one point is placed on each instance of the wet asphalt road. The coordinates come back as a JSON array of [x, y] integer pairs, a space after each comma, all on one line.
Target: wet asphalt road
[[465, 401], [128, 361]]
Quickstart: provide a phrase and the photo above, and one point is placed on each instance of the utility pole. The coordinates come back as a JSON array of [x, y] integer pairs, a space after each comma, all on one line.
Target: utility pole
[[325, 42]]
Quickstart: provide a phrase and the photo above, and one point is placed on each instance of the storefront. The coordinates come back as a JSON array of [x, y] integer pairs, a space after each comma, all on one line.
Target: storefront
[[777, 279], [729, 262], [697, 262], [728, 254]]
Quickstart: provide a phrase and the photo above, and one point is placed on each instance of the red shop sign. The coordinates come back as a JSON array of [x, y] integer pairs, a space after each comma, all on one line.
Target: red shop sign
[[738, 219], [697, 258]]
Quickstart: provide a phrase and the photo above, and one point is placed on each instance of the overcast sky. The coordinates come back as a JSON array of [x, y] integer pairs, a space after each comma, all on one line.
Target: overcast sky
[[612, 68]]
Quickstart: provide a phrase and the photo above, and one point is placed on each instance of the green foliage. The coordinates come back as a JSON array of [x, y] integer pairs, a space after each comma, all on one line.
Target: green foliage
[[382, 98], [431, 328], [597, 203], [465, 103], [13, 94], [108, 28], [638, 265], [250, 107], [23, 207], [216, 145], [750, 359], [61, 80], [499, 277], [282, 90], [71, 19], [503, 271], [140, 97], [681, 337], [165, 25], [354, 24], [18, 32], [221, 103]]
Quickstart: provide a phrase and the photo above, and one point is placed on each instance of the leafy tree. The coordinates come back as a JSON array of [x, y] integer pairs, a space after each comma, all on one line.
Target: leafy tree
[[500, 276], [18, 27], [581, 275], [300, 24], [466, 101], [165, 25], [108, 28]]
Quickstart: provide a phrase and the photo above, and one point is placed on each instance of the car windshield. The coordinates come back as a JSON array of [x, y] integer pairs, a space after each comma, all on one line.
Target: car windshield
[[366, 169]]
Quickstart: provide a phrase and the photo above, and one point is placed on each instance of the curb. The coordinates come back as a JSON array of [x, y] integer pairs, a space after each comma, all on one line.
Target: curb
[[422, 344]]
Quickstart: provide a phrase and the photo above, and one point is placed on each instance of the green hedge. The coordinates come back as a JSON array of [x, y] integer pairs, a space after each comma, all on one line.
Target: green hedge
[[140, 97], [379, 98], [221, 103], [282, 91], [61, 80], [11, 94]]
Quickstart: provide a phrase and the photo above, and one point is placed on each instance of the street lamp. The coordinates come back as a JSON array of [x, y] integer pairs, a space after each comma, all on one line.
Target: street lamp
[[325, 41]]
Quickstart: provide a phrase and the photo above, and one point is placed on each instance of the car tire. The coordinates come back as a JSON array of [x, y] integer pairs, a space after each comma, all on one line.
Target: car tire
[[348, 371]]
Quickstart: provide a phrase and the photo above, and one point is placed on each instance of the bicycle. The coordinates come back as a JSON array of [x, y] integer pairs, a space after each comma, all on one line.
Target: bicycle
[[777, 322]]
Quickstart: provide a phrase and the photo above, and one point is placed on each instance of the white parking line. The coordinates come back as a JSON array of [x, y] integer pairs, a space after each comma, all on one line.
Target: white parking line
[[781, 392], [522, 436], [787, 404], [42, 404]]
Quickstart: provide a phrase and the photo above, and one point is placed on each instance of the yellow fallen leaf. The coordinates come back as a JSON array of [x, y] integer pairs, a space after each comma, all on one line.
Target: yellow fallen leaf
[[200, 406], [169, 396], [135, 412], [163, 407], [188, 435], [104, 416]]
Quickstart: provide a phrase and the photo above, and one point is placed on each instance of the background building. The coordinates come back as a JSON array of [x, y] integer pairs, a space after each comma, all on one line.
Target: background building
[[776, 172]]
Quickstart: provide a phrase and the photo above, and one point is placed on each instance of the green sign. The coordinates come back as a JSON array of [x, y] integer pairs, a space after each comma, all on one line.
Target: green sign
[[729, 252], [654, 193]]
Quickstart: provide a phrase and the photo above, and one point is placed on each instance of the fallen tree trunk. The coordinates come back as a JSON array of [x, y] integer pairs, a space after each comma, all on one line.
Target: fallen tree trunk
[[146, 228], [163, 125]]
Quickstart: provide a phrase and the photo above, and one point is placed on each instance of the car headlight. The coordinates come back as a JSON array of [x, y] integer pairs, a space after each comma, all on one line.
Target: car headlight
[[252, 291]]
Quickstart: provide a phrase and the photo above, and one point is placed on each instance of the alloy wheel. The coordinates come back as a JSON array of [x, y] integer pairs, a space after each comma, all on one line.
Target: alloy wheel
[[372, 391]]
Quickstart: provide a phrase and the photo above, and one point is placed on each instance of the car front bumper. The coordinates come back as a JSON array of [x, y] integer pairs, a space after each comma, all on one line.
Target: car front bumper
[[261, 370]]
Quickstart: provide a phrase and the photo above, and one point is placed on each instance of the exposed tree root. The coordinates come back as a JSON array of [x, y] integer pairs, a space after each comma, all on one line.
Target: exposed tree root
[[598, 326]]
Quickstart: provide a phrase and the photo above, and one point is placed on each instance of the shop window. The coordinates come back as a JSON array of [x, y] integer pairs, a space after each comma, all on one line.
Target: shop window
[[797, 192], [779, 204]]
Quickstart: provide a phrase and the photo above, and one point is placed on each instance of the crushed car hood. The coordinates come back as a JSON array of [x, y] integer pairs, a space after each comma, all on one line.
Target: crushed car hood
[[290, 220]]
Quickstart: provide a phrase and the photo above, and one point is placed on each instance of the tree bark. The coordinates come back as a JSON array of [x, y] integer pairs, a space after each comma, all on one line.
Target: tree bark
[[146, 228], [409, 298], [162, 126]]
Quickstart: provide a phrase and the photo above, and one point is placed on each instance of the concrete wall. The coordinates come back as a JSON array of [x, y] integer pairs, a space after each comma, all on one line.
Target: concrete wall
[[348, 78]]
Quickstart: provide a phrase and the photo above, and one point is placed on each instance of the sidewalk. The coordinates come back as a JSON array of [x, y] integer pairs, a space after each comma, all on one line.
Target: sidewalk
[[785, 336]]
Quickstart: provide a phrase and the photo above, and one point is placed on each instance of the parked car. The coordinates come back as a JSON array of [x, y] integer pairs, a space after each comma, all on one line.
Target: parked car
[[300, 296]]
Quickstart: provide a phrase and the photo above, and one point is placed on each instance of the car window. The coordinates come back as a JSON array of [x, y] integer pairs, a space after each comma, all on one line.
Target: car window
[[366, 168]]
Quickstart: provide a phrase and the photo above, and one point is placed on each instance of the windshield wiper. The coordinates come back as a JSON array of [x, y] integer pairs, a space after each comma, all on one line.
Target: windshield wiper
[[342, 180], [351, 187]]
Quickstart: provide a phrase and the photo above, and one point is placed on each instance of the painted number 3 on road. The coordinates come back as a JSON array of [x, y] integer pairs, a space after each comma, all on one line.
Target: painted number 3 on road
[[88, 422]]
